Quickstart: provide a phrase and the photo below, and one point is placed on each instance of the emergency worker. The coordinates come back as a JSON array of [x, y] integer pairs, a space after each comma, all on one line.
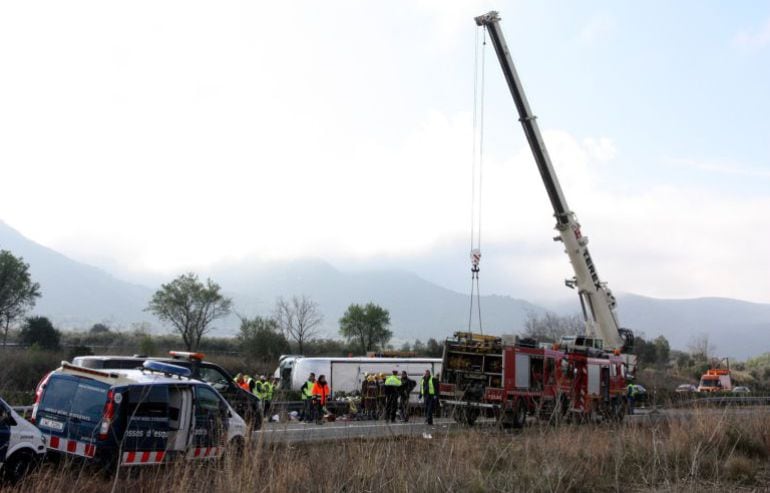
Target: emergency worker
[[371, 397], [267, 397], [240, 381], [407, 385], [320, 395], [429, 392], [392, 386], [306, 394], [631, 397]]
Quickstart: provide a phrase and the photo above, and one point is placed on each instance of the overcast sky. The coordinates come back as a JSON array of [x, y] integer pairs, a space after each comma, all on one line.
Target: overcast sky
[[156, 136]]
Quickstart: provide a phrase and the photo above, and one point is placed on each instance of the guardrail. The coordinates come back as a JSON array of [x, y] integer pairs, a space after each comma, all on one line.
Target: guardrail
[[23, 411], [723, 401]]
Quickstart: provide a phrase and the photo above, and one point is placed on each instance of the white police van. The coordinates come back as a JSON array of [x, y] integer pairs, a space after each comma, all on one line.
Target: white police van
[[21, 444], [134, 417]]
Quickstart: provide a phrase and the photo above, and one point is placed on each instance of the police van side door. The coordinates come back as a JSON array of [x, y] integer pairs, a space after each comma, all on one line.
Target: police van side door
[[209, 423], [146, 410]]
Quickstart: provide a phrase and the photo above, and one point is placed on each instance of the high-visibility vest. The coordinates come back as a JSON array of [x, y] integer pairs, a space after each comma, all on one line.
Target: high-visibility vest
[[393, 381], [631, 390], [267, 391], [307, 390], [258, 389], [244, 384], [321, 391], [431, 386]]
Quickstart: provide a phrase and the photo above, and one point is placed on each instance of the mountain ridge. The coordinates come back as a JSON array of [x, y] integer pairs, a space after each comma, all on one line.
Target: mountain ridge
[[76, 295]]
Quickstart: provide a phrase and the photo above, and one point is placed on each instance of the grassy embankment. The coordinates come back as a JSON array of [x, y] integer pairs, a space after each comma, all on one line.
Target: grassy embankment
[[713, 451]]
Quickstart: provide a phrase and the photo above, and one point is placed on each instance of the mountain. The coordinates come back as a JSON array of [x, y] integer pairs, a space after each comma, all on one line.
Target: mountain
[[76, 294], [419, 309], [736, 328]]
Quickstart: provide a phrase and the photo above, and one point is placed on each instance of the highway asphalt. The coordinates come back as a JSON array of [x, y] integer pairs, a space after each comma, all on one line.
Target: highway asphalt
[[295, 432]]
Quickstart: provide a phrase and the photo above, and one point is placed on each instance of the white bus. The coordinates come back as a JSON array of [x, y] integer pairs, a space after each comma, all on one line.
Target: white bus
[[347, 374]]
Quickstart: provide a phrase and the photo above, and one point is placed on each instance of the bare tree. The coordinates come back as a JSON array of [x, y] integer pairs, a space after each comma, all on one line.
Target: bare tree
[[700, 347], [550, 327], [299, 319]]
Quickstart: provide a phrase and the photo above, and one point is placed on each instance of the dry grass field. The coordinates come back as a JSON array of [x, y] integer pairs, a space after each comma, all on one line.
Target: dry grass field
[[709, 452]]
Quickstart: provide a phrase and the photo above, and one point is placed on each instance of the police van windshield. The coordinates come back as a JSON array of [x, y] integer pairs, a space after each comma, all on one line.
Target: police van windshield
[[81, 398]]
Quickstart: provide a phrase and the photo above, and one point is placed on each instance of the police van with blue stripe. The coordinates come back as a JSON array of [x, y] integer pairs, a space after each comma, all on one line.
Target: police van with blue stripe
[[21, 444], [134, 417]]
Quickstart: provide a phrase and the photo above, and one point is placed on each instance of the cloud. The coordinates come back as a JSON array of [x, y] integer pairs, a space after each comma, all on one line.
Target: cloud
[[726, 168], [599, 28], [753, 38]]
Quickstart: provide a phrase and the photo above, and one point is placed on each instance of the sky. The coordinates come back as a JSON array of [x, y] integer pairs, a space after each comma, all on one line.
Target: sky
[[154, 137]]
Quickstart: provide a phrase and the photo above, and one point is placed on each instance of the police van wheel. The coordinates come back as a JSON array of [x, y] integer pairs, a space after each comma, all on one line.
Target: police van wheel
[[235, 449], [17, 466]]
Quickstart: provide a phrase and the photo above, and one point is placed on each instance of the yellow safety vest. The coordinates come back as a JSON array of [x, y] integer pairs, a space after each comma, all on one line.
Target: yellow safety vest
[[393, 381], [431, 387]]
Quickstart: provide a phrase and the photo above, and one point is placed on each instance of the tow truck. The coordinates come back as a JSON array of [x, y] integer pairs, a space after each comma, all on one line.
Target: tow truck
[[582, 375]]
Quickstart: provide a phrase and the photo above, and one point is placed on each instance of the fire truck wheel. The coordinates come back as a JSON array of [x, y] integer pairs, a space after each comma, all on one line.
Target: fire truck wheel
[[505, 419], [471, 414], [618, 410], [520, 414]]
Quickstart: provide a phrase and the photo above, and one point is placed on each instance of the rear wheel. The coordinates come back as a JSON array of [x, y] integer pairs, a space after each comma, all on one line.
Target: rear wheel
[[520, 414], [465, 415], [505, 418]]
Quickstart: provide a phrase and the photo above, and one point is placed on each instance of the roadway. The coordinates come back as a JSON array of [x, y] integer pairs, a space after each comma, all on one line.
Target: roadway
[[295, 432]]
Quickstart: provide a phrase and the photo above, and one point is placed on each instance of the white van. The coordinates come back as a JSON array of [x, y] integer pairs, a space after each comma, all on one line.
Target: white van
[[21, 444], [347, 374]]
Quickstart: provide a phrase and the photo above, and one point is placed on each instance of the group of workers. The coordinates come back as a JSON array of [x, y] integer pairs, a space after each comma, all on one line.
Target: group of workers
[[380, 395], [389, 395], [314, 394], [263, 387]]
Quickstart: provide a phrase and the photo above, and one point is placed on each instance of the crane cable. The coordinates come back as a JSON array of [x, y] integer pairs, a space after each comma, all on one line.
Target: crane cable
[[477, 162]]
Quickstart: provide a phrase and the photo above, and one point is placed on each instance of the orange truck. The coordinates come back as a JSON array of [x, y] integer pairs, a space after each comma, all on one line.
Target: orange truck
[[715, 380]]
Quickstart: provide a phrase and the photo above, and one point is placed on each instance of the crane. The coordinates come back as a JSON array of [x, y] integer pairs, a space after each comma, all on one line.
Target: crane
[[603, 330]]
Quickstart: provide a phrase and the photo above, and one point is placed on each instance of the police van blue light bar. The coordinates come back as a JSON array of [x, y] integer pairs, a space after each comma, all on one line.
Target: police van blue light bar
[[167, 368]]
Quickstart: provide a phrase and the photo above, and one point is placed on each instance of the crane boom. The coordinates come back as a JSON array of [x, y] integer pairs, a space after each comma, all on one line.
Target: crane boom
[[596, 299]]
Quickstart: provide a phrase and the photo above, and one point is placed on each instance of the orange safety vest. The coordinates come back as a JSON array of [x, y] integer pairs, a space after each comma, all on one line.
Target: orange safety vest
[[321, 391], [245, 386]]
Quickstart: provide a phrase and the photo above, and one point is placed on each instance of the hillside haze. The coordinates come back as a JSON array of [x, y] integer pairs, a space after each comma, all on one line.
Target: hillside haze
[[76, 295]]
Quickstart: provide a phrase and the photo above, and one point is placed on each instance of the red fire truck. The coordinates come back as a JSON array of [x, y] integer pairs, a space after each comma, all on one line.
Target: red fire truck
[[572, 380]]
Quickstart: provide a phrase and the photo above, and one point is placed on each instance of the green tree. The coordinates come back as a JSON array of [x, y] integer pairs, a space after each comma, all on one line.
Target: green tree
[[260, 338], [190, 306], [418, 347], [434, 349], [662, 350], [17, 291], [40, 332], [366, 325], [99, 329]]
